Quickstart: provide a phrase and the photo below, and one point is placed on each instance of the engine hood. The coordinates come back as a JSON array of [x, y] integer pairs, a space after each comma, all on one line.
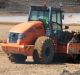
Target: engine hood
[[21, 28]]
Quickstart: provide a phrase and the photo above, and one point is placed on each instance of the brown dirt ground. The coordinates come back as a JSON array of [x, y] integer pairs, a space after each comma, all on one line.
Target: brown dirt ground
[[29, 68]]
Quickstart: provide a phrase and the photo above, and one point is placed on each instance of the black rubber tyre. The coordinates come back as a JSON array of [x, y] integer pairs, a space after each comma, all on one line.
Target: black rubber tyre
[[17, 58], [43, 51], [73, 58]]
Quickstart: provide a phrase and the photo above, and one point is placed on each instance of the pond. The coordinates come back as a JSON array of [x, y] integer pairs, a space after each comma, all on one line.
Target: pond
[[69, 18]]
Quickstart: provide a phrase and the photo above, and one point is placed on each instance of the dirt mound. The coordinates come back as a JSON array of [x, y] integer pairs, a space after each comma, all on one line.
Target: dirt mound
[[23, 5]]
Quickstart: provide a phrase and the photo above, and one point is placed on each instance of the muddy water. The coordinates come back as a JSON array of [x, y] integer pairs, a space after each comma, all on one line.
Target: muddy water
[[68, 18], [13, 18]]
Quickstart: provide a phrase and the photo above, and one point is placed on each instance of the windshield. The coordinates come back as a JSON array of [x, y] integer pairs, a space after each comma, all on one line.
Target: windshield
[[37, 15]]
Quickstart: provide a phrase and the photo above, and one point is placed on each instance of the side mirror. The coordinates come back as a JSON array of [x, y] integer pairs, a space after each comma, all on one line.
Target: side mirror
[[66, 27]]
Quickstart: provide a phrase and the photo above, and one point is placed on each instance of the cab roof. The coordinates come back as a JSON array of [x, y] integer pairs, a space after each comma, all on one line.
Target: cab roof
[[45, 8]]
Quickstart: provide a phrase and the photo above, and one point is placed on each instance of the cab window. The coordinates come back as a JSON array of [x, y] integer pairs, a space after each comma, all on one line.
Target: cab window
[[56, 17], [39, 15], [56, 23]]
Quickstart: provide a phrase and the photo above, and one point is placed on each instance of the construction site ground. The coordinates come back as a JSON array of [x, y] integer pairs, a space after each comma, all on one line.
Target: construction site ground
[[30, 68]]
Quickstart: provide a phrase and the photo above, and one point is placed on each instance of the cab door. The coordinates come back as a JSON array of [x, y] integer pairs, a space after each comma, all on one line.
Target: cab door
[[56, 23]]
